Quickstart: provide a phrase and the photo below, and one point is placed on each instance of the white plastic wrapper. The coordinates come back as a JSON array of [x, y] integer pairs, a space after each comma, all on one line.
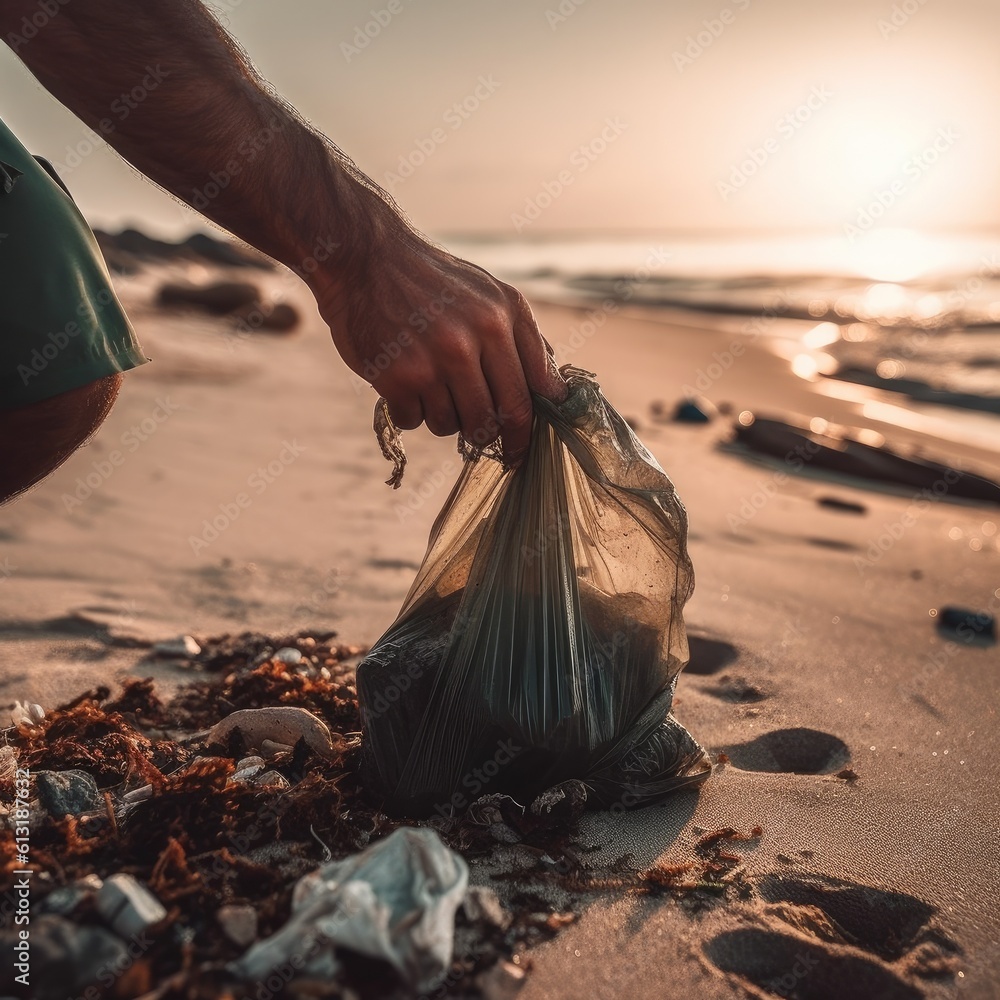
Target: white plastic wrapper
[[396, 900]]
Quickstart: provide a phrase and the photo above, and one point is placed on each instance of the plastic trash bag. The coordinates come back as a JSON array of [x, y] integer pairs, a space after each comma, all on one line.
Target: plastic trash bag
[[543, 635]]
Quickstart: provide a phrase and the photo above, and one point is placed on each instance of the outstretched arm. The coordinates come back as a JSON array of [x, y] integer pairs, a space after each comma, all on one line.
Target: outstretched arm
[[170, 90]]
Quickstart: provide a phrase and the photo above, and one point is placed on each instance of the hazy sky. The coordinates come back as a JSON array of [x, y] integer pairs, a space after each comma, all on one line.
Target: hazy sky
[[777, 113]]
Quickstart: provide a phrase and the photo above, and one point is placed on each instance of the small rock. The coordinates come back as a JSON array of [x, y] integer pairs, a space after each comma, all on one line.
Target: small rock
[[847, 774], [247, 768], [128, 905], [65, 793], [218, 298], [67, 959], [271, 749], [26, 711], [846, 506], [693, 410], [64, 900], [289, 655], [183, 646], [973, 627], [275, 317], [502, 981], [271, 779], [280, 723], [238, 923], [481, 905]]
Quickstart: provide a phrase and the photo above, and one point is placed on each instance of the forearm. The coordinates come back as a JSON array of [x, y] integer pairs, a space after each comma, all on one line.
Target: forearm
[[171, 92], [441, 339]]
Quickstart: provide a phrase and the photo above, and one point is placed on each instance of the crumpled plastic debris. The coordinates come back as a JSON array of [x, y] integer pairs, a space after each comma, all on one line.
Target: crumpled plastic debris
[[396, 900]]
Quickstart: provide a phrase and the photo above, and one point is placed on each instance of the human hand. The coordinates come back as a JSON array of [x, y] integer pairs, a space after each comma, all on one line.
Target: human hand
[[443, 341]]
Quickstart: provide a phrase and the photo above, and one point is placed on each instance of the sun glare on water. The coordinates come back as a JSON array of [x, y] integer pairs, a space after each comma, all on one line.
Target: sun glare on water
[[896, 254]]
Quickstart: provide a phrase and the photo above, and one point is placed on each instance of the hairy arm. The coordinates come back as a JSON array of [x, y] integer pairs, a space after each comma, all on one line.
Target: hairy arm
[[174, 94]]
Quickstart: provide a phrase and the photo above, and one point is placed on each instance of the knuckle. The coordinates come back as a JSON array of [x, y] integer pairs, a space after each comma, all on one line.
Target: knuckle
[[517, 302], [454, 348], [417, 378]]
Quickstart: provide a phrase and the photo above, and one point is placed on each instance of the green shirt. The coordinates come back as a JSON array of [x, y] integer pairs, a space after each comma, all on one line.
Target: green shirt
[[61, 324]]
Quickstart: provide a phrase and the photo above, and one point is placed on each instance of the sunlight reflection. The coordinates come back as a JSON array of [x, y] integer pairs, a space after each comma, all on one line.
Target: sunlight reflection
[[822, 335], [898, 254]]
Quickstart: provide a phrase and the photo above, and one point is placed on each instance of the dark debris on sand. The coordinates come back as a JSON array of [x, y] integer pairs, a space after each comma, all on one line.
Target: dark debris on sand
[[174, 818]]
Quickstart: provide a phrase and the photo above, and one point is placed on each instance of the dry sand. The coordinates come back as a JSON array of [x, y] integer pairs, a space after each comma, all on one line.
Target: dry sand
[[790, 632]]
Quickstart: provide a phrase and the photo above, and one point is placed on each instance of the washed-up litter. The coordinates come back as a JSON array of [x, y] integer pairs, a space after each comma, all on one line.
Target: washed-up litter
[[248, 768], [694, 410], [271, 779], [543, 636], [66, 899], [25, 711], [183, 646], [396, 900], [968, 626], [803, 449], [127, 905], [199, 842], [179, 847], [68, 958], [8, 764], [278, 723]]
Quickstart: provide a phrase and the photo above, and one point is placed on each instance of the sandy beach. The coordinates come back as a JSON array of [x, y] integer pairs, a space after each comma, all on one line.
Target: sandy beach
[[860, 739]]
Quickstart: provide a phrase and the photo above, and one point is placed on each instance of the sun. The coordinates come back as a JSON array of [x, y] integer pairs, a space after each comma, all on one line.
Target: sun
[[871, 154]]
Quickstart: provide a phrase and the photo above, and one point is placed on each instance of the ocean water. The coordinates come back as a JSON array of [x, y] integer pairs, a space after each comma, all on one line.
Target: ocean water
[[894, 315]]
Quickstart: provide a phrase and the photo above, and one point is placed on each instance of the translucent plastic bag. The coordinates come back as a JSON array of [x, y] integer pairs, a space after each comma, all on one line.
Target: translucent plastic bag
[[543, 635]]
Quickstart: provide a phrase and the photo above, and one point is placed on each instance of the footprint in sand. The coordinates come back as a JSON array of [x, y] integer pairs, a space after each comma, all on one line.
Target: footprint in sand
[[786, 965], [884, 922], [791, 751], [736, 689], [708, 656], [838, 941]]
